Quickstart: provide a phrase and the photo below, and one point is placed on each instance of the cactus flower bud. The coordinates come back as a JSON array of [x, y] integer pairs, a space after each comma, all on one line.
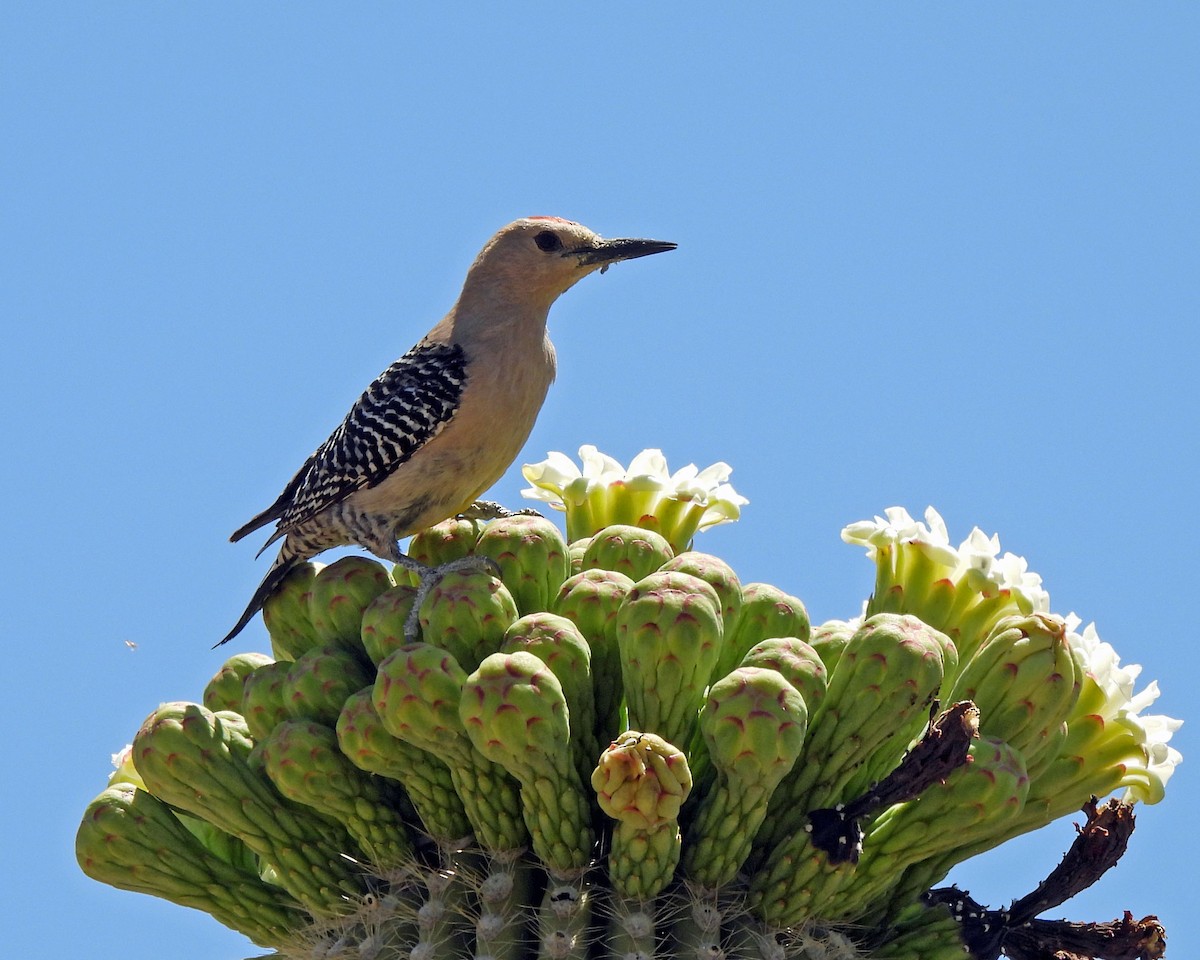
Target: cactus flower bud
[[340, 594], [513, 710], [224, 690], [669, 633], [286, 613], [532, 557], [641, 782], [467, 613]]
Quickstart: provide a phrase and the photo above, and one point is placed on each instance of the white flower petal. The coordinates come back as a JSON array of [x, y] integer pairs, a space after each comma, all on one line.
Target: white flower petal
[[649, 463], [599, 466]]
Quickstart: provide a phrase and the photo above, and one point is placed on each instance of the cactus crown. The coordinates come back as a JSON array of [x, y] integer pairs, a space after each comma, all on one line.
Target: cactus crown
[[616, 749]]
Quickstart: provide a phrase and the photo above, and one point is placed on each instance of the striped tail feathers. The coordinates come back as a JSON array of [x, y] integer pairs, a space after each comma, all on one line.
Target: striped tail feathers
[[284, 564], [258, 521]]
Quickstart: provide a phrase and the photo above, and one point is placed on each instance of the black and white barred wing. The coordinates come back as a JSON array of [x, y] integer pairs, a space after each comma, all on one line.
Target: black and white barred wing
[[403, 409]]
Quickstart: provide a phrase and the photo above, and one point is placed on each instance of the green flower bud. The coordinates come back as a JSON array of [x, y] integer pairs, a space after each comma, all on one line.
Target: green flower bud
[[383, 622], [629, 550], [264, 702], [876, 704], [319, 682], [754, 723], [766, 612], [340, 594], [131, 840], [972, 803], [417, 694], [444, 542], [1023, 680], [304, 762], [224, 690], [363, 738], [717, 574], [798, 663], [558, 643], [830, 639], [196, 760], [575, 551], [515, 713], [532, 557], [285, 613], [669, 633], [591, 599], [467, 613]]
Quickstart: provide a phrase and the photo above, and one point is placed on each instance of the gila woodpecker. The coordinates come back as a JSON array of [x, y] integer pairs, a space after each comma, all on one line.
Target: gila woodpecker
[[440, 425]]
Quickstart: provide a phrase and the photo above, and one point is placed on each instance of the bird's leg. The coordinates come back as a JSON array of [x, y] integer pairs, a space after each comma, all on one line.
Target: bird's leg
[[491, 510], [429, 577]]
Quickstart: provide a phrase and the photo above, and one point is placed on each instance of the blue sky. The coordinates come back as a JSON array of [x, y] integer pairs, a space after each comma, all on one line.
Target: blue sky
[[928, 254]]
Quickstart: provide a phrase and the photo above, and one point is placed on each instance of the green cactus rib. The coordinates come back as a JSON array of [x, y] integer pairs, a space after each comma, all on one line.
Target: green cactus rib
[[318, 682], [532, 557], [975, 801], [467, 613], [590, 599], [563, 918], [696, 930], [340, 594], [558, 643], [505, 892], [263, 698], [363, 738], [131, 840], [417, 694], [383, 621], [754, 723], [630, 550], [515, 713], [285, 613], [641, 782], [224, 690], [1024, 680], [669, 633], [766, 612], [632, 929], [442, 932], [196, 760], [303, 760]]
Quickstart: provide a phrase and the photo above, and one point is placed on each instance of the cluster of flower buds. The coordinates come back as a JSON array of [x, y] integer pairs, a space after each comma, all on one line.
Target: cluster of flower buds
[[613, 748]]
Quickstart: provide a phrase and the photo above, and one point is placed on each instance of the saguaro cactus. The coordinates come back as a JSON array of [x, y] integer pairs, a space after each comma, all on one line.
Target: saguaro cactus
[[641, 758]]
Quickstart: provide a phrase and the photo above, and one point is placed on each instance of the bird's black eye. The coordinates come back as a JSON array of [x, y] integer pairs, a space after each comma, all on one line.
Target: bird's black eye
[[548, 241]]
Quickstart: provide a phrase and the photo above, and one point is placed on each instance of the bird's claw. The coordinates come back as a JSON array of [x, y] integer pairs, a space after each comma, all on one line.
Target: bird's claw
[[430, 577], [491, 510], [486, 510]]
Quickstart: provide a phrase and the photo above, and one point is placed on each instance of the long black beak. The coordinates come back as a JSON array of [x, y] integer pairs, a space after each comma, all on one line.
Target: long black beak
[[611, 251]]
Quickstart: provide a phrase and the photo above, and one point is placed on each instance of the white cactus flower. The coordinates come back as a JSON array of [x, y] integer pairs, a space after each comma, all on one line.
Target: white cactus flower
[[603, 492]]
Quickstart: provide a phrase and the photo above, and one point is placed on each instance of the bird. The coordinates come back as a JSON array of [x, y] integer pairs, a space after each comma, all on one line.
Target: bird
[[441, 424]]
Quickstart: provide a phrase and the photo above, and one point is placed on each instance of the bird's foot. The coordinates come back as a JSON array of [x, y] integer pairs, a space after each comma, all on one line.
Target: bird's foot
[[491, 510], [429, 577]]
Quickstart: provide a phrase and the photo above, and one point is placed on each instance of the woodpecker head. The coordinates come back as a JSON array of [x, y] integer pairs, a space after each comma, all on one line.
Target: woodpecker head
[[538, 258]]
